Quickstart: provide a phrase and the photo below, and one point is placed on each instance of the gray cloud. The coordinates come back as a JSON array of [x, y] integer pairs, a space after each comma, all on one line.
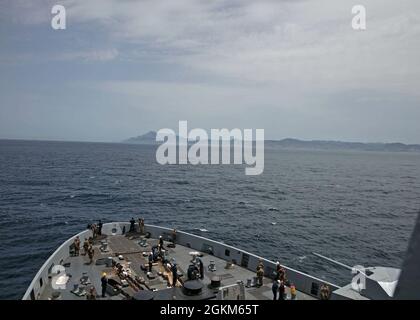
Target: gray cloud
[[295, 68]]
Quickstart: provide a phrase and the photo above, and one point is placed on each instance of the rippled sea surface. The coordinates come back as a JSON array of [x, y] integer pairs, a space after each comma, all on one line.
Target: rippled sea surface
[[356, 207]]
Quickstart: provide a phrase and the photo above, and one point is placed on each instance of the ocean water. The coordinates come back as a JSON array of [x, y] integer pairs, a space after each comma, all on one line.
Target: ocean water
[[356, 207]]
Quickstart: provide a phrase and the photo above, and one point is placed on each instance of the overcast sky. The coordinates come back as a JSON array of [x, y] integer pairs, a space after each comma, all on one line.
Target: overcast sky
[[295, 68]]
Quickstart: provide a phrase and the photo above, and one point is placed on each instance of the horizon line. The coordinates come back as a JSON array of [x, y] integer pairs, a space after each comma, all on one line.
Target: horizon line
[[124, 141]]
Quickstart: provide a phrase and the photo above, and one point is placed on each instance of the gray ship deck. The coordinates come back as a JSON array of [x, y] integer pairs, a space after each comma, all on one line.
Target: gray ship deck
[[78, 266]]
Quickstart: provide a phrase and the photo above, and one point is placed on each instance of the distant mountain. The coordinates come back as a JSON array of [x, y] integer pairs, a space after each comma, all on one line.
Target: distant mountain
[[147, 138], [150, 138], [339, 145]]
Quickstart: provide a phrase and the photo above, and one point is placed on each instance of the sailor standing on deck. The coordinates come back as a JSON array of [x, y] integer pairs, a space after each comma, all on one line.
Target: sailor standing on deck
[[174, 270], [132, 223], [278, 270], [141, 226], [85, 246], [100, 224], [150, 261], [94, 229], [275, 288], [139, 223], [77, 246], [325, 292], [173, 237], [201, 268], [104, 283], [260, 273], [161, 243], [91, 252], [292, 292], [282, 290]]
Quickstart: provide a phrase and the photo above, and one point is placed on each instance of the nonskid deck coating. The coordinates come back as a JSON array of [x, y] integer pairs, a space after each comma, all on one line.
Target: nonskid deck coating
[[132, 253]]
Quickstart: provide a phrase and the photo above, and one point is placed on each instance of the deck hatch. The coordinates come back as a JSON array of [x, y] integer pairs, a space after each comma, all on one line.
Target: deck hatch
[[314, 288], [245, 260]]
